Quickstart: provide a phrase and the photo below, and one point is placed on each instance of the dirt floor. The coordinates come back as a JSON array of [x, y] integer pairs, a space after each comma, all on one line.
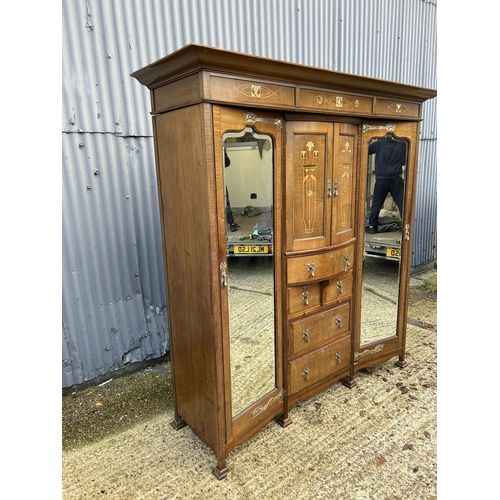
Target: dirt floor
[[375, 441]]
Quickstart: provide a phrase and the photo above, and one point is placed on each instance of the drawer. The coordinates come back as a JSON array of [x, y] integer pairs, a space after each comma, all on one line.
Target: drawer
[[303, 298], [307, 370], [253, 92], [397, 108], [319, 266], [308, 332], [338, 288], [328, 101]]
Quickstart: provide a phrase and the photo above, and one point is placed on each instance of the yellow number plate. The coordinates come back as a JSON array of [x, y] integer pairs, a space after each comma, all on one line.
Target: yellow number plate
[[250, 249], [393, 252]]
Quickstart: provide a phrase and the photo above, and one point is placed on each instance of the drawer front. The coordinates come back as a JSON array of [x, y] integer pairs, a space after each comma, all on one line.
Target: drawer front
[[307, 333], [328, 101], [251, 92], [319, 364], [397, 108], [303, 298], [319, 266], [339, 288]]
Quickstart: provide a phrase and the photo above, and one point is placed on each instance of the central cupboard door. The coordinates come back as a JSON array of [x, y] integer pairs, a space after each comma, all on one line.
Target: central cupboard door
[[320, 189], [308, 152]]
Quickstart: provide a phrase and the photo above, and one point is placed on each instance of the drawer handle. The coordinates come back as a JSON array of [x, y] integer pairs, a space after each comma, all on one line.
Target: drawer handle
[[338, 321], [305, 372], [339, 286], [223, 267], [311, 268], [329, 190], [337, 357], [305, 335], [347, 264], [335, 187], [305, 298]]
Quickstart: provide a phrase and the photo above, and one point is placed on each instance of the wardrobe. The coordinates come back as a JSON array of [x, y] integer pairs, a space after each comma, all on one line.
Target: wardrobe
[[265, 187]]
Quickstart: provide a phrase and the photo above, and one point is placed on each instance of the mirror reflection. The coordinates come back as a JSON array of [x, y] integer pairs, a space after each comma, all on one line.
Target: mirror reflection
[[248, 184], [384, 205]]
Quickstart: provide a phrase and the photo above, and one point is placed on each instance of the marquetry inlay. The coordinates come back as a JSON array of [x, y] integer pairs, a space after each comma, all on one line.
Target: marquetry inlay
[[309, 160]]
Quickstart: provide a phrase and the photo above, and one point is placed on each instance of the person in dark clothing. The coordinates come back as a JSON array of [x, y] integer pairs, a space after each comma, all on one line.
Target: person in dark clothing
[[229, 212], [389, 160]]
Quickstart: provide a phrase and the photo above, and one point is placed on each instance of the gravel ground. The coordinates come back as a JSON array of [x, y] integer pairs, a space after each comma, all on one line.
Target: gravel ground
[[375, 441]]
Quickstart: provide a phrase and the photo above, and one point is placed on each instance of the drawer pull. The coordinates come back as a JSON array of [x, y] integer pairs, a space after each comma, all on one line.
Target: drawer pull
[[338, 321], [305, 372], [337, 357], [223, 267], [329, 190], [335, 187], [305, 335], [339, 286], [347, 264], [311, 268], [305, 298]]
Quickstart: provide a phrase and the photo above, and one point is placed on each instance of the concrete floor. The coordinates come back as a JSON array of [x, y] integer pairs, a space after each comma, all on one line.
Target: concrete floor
[[375, 441]]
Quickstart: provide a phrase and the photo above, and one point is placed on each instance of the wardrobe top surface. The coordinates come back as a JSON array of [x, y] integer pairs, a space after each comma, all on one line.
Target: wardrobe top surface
[[195, 57]]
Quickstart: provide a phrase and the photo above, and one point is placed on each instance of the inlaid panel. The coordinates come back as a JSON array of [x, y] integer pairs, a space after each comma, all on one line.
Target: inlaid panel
[[397, 108], [309, 189], [344, 177], [338, 103], [255, 92]]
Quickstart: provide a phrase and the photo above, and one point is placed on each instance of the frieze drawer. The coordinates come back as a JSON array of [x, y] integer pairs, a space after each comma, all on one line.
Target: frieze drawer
[[319, 364], [303, 298], [251, 92], [308, 332], [397, 108], [328, 101], [319, 266]]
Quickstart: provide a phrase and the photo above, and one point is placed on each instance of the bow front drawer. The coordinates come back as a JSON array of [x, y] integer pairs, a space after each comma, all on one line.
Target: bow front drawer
[[319, 266]]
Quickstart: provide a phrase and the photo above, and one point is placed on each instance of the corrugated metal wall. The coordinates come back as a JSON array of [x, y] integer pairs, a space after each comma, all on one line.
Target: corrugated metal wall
[[114, 299]]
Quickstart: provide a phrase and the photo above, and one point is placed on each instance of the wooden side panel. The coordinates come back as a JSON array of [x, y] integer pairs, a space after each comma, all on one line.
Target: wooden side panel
[[177, 94], [344, 182], [308, 190], [186, 180]]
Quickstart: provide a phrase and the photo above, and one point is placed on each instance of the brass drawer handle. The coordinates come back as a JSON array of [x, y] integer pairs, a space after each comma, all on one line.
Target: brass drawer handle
[[339, 286], [305, 335], [337, 357], [335, 187], [305, 372], [347, 264], [311, 268], [305, 298], [338, 321]]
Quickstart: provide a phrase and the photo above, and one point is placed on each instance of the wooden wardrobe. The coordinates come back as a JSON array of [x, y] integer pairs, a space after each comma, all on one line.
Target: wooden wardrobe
[[265, 186]]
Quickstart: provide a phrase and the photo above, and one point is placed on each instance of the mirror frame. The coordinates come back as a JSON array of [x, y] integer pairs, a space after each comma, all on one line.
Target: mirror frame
[[374, 353], [228, 120]]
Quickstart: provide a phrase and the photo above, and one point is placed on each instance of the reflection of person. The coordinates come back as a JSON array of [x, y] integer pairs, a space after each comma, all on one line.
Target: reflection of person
[[390, 156], [229, 213]]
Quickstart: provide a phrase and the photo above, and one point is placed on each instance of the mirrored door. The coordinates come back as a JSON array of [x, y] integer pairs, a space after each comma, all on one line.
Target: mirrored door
[[386, 212], [248, 189]]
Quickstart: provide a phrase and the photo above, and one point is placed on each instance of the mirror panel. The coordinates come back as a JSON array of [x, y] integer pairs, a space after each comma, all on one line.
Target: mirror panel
[[248, 186], [384, 205]]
